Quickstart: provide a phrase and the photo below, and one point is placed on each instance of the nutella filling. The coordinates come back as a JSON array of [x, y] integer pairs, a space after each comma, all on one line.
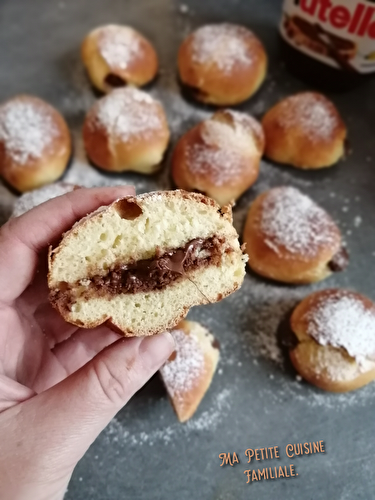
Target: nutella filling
[[114, 80], [149, 274], [339, 261]]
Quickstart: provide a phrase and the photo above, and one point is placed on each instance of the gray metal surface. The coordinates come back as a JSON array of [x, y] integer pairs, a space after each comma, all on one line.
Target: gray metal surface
[[255, 399]]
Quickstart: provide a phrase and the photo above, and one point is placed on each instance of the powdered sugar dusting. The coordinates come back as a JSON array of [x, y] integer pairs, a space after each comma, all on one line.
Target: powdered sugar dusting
[[127, 113], [312, 113], [220, 154], [26, 129], [225, 45], [341, 320], [220, 165], [119, 45], [34, 198], [183, 372], [293, 222]]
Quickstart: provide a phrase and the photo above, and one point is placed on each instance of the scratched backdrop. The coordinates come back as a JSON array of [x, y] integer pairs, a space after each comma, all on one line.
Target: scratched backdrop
[[255, 399]]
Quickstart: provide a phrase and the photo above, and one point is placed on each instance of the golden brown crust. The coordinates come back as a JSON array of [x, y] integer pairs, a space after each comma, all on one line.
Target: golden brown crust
[[304, 130], [223, 64], [118, 54], [190, 378], [220, 156], [35, 143], [273, 260], [128, 331], [126, 130], [330, 368]]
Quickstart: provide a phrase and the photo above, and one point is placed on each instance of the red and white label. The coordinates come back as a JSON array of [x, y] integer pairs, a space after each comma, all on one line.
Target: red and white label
[[337, 32]]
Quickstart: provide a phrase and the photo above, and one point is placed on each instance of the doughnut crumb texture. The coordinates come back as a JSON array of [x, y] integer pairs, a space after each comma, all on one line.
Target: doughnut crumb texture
[[35, 143], [290, 238], [188, 373], [335, 339], [117, 56], [126, 130], [220, 156], [222, 64], [142, 262], [305, 130]]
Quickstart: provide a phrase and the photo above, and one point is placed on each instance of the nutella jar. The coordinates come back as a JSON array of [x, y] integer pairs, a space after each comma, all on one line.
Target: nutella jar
[[329, 43]]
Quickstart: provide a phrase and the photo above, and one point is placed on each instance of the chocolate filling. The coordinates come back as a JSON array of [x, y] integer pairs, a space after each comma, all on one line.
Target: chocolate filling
[[149, 274], [114, 80], [215, 344], [339, 261]]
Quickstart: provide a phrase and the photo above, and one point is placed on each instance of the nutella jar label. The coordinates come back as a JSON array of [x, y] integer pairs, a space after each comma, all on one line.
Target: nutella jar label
[[340, 33]]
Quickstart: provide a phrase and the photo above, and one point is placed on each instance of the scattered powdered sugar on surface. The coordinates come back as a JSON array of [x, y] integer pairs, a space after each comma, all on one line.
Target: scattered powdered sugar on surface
[[127, 113], [119, 45], [34, 198], [312, 113], [26, 128], [223, 44], [357, 221], [183, 372], [294, 222], [341, 320], [207, 421]]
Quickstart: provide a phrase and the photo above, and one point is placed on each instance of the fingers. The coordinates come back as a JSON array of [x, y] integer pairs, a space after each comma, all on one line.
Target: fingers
[[60, 424], [11, 393], [82, 346], [23, 237]]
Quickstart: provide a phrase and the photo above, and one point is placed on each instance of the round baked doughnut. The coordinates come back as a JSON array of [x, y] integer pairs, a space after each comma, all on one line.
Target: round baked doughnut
[[219, 156], [304, 130], [335, 340], [126, 130], [289, 238], [35, 143], [32, 199], [222, 64], [115, 56], [188, 373]]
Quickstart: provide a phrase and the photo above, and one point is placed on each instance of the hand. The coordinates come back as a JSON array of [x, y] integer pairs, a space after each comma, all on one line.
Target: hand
[[59, 385]]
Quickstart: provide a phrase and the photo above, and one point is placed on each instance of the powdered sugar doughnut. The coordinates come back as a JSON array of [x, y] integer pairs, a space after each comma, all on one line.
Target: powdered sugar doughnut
[[126, 130], [34, 198], [219, 156], [115, 56], [222, 64], [335, 340], [188, 373], [304, 130], [290, 238], [35, 143]]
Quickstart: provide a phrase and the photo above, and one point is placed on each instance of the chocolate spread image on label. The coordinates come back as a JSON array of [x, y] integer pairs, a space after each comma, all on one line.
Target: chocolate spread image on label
[[339, 33]]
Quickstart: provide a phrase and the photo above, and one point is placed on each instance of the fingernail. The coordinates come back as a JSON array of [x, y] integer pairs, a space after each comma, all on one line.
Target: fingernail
[[155, 350]]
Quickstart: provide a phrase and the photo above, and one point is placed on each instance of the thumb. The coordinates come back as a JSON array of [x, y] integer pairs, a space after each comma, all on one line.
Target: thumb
[[60, 424]]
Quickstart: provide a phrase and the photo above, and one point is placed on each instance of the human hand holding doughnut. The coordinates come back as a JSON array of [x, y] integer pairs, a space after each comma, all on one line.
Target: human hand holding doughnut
[[59, 385]]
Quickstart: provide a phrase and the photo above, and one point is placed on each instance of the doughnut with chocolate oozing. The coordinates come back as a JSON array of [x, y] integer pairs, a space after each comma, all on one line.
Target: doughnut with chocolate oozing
[[142, 262], [116, 56], [222, 64], [289, 238]]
